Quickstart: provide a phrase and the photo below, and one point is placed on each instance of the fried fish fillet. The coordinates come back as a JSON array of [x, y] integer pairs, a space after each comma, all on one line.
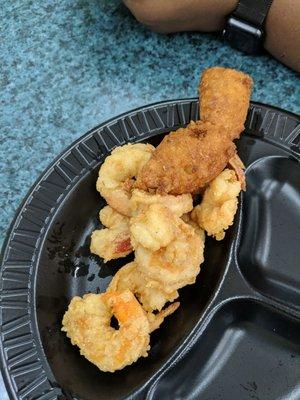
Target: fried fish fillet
[[187, 159], [224, 96]]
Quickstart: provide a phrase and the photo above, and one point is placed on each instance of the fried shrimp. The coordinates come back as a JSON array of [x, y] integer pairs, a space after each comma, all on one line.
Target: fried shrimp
[[110, 217], [151, 228], [114, 241], [150, 293], [87, 324], [176, 264], [217, 210], [117, 172], [177, 204]]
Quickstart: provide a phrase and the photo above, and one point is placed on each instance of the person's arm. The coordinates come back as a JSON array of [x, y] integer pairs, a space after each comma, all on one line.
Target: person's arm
[[283, 32], [167, 16]]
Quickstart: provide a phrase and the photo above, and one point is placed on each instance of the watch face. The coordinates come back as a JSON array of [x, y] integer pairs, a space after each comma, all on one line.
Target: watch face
[[243, 36]]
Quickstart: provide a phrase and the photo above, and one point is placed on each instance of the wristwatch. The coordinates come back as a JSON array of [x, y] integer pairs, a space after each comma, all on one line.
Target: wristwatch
[[244, 28]]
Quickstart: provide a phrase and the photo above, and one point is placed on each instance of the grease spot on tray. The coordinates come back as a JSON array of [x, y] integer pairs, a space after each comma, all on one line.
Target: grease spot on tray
[[69, 258]]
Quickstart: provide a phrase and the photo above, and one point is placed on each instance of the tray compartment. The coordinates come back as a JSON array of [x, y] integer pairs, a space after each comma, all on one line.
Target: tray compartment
[[248, 351], [268, 258], [56, 369]]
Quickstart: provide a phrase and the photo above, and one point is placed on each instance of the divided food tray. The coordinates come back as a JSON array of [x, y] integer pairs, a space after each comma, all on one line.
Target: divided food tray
[[236, 334]]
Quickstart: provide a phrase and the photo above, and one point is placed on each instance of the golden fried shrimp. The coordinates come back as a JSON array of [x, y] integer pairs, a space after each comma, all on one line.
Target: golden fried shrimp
[[87, 324], [219, 204], [151, 228], [237, 165], [117, 171], [177, 204], [224, 98], [187, 218], [110, 217], [150, 293], [111, 243], [114, 241], [177, 264]]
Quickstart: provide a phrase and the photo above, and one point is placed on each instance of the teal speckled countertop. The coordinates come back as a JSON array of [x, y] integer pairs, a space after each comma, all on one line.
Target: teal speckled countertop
[[67, 66]]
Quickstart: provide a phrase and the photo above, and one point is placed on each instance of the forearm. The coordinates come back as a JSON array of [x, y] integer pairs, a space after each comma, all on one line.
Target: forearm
[[167, 16], [283, 32]]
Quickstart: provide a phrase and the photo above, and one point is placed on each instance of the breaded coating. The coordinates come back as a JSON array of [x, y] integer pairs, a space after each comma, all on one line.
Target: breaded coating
[[224, 98], [152, 228], [187, 159], [113, 241], [179, 205], [150, 293], [218, 207], [117, 173], [87, 324], [175, 264]]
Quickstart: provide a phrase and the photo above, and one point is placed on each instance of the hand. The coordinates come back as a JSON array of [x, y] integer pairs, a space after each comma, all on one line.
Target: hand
[[168, 16]]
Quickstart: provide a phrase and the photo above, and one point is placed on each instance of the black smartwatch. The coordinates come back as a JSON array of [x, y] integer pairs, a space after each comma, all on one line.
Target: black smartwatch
[[244, 28]]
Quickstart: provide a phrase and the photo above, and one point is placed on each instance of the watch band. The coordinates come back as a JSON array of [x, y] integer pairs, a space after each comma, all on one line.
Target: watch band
[[244, 28], [253, 11]]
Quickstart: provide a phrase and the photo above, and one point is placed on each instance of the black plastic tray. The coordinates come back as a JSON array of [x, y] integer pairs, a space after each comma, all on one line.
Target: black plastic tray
[[237, 332]]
